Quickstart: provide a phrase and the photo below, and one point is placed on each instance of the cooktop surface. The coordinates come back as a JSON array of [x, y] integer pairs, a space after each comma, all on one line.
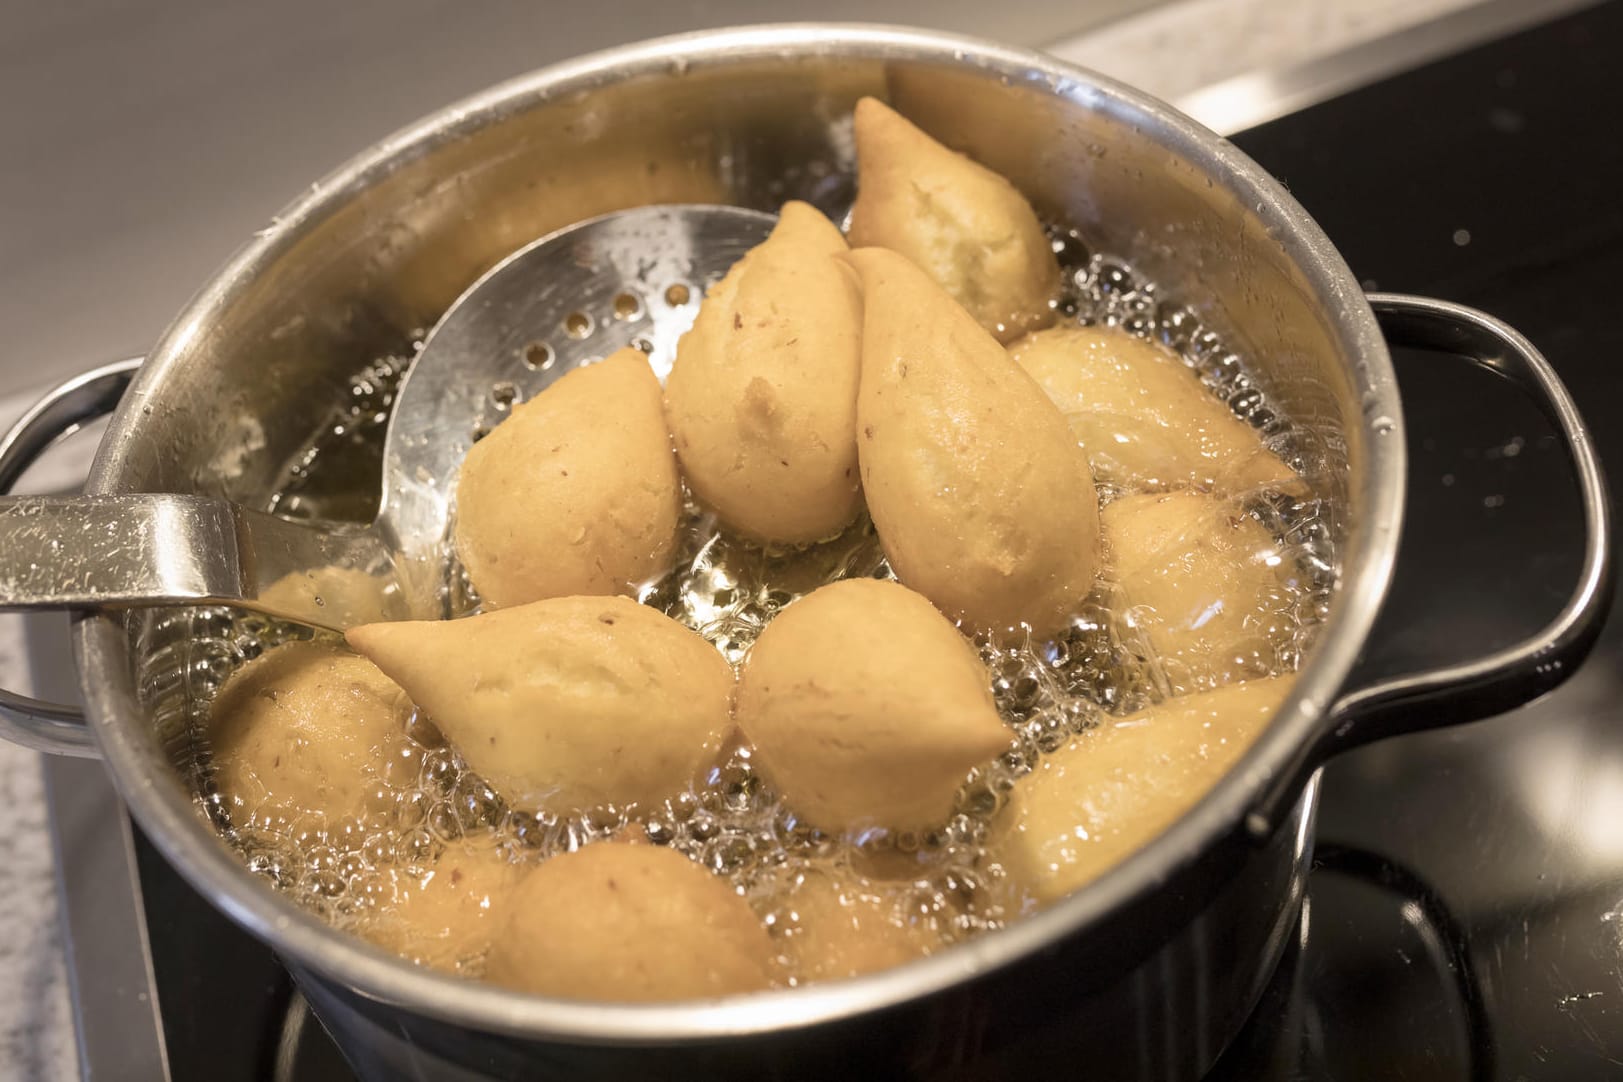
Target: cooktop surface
[[1465, 916], [1465, 919]]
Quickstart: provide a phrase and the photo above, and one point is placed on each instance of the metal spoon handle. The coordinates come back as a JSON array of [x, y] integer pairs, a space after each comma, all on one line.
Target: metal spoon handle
[[123, 551], [97, 552]]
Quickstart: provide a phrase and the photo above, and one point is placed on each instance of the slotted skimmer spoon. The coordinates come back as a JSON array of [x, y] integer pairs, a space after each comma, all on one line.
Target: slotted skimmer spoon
[[634, 277]]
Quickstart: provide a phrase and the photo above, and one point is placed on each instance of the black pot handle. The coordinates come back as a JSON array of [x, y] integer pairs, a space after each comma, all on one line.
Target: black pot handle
[[34, 723], [1507, 678]]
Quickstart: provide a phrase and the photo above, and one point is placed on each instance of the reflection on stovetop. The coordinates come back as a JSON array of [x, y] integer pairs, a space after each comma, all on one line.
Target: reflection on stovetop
[[1464, 919], [1378, 953]]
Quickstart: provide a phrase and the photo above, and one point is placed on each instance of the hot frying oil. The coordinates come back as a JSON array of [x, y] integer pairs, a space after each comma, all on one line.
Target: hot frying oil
[[424, 799]]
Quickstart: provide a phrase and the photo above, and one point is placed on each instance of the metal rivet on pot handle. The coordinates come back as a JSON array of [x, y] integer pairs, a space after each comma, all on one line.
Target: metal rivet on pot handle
[[1507, 678], [34, 723]]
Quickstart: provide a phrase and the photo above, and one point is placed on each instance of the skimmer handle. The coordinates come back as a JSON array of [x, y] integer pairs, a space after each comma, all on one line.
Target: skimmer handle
[[145, 549], [162, 548]]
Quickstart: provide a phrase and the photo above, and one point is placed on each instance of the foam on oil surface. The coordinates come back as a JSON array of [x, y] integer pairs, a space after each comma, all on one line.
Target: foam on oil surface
[[731, 822]]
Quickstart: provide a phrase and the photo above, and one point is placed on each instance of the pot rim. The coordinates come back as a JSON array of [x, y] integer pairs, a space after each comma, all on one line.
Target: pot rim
[[174, 825]]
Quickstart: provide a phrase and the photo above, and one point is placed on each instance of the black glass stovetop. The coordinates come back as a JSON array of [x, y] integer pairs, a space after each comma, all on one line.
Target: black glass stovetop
[[1466, 919], [1465, 916]]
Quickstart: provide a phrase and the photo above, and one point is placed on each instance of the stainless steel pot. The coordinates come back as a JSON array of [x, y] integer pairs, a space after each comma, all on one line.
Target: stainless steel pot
[[1145, 973]]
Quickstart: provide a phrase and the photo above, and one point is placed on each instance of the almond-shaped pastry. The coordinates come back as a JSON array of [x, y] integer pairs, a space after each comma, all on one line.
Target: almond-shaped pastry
[[1090, 805], [1201, 580], [305, 729], [845, 925], [1144, 418], [966, 226], [983, 500], [441, 913], [568, 703], [762, 399], [867, 708], [618, 922], [576, 492]]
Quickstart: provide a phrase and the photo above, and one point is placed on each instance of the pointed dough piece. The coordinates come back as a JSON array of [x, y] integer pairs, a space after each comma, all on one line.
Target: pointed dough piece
[[1144, 418], [577, 492], [980, 494], [867, 708], [1094, 803], [306, 729], [762, 399], [568, 703], [441, 914], [967, 227], [847, 925], [1203, 581], [616, 922]]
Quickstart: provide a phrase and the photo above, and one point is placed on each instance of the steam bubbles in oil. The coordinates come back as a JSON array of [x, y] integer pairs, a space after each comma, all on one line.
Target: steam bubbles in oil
[[420, 809]]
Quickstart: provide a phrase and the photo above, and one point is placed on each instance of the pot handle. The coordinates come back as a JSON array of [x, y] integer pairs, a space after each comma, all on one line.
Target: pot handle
[[34, 723], [1507, 678]]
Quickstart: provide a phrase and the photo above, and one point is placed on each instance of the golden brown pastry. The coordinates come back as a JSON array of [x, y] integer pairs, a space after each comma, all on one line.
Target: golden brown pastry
[[846, 925], [762, 399], [1201, 580], [1092, 804], [305, 729], [441, 913], [980, 494], [866, 708], [577, 492], [967, 227], [568, 703], [615, 922], [1143, 416]]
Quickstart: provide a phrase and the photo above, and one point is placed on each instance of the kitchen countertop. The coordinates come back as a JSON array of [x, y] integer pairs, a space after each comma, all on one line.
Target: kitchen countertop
[[154, 239]]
